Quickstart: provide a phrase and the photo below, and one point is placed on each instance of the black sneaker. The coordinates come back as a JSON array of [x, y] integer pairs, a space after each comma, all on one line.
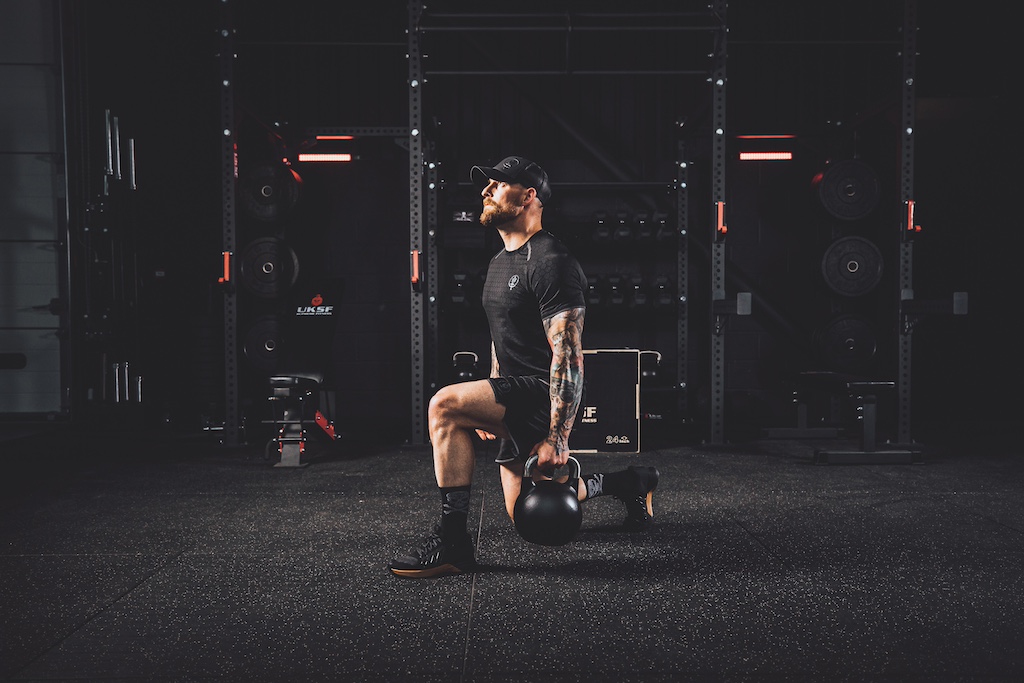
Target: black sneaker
[[435, 558], [639, 511]]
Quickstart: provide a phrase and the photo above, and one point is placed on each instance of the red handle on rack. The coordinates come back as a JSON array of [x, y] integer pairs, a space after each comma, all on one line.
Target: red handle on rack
[[226, 277], [414, 267]]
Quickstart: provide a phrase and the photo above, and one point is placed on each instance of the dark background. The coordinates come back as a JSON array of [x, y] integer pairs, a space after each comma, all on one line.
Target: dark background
[[826, 72]]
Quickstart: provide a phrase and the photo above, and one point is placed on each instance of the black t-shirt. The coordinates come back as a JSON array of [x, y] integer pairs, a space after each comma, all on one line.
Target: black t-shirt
[[523, 288]]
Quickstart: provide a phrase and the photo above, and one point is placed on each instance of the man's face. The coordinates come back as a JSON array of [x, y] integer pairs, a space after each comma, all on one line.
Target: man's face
[[502, 203]]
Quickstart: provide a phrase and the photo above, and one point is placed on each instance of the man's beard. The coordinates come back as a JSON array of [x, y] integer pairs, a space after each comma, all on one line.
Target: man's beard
[[495, 216]]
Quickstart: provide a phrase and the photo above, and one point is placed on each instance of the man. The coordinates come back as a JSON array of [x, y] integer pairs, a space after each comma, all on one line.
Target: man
[[534, 297]]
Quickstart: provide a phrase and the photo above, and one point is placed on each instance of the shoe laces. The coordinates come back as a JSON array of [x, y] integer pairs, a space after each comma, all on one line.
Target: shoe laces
[[430, 544]]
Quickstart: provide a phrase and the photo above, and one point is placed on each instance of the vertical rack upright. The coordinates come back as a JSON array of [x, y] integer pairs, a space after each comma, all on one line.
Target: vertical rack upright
[[233, 431], [906, 256]]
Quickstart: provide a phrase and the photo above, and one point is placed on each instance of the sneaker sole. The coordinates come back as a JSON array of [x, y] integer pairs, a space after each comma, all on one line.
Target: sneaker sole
[[650, 494], [440, 570], [633, 524]]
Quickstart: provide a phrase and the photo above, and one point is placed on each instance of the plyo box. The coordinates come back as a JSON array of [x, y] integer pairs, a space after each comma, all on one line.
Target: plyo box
[[608, 419]]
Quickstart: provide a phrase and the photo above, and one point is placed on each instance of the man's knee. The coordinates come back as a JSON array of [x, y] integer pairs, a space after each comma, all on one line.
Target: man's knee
[[453, 406], [466, 405], [444, 407]]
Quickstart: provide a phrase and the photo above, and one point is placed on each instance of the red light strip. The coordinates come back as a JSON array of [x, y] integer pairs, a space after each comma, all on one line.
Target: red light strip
[[335, 137], [324, 156], [765, 137], [766, 156]]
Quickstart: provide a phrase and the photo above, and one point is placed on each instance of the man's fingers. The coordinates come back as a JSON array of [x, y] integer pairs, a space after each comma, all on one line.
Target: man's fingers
[[548, 459]]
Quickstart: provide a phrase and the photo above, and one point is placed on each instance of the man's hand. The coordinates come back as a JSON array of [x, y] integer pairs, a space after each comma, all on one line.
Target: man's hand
[[486, 436], [550, 456]]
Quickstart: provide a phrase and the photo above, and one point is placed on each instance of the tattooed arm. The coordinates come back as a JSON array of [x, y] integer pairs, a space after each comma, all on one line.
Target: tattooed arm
[[565, 335]]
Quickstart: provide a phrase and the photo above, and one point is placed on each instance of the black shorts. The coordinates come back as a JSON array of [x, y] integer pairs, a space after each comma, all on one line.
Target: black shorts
[[527, 402]]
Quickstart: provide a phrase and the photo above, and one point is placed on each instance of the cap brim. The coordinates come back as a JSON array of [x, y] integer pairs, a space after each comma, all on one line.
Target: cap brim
[[481, 175]]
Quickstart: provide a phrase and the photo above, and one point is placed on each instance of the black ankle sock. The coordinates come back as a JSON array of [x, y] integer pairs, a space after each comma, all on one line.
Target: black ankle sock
[[454, 511], [593, 484]]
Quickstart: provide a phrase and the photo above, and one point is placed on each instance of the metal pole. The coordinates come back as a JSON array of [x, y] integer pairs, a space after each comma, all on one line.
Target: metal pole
[[433, 268], [682, 284], [906, 273], [417, 431], [232, 413], [718, 270]]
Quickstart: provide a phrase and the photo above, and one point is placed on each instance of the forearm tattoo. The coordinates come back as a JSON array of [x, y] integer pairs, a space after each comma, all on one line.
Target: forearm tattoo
[[565, 334]]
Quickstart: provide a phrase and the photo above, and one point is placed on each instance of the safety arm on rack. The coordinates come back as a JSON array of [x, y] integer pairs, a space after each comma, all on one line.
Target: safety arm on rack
[[741, 305]]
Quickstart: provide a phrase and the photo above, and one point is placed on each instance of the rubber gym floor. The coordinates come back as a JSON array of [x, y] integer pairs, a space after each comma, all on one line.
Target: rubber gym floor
[[156, 557]]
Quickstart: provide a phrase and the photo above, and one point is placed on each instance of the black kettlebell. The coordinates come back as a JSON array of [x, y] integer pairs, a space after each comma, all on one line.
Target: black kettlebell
[[548, 512], [465, 364]]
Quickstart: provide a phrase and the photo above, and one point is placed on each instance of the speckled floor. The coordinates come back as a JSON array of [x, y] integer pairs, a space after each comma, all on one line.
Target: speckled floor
[[156, 558]]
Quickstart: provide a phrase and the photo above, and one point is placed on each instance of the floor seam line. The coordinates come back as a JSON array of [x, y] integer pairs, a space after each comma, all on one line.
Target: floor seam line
[[97, 612], [472, 590]]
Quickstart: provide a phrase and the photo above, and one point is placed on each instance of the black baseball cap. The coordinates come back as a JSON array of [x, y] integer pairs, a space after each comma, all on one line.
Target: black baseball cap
[[515, 170]]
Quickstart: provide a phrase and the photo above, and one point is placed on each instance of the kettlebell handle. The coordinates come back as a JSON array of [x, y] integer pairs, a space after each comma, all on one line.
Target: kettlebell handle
[[460, 355], [574, 473]]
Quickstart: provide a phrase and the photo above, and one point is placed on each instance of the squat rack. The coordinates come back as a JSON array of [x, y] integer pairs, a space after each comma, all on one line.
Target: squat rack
[[424, 182]]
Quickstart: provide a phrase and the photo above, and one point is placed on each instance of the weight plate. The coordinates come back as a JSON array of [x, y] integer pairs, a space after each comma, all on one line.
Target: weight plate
[[268, 192], [262, 343], [848, 189], [852, 266], [847, 343], [269, 267]]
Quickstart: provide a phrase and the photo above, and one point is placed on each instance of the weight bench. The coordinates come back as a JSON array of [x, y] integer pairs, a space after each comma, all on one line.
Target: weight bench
[[863, 394], [295, 402], [802, 395]]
